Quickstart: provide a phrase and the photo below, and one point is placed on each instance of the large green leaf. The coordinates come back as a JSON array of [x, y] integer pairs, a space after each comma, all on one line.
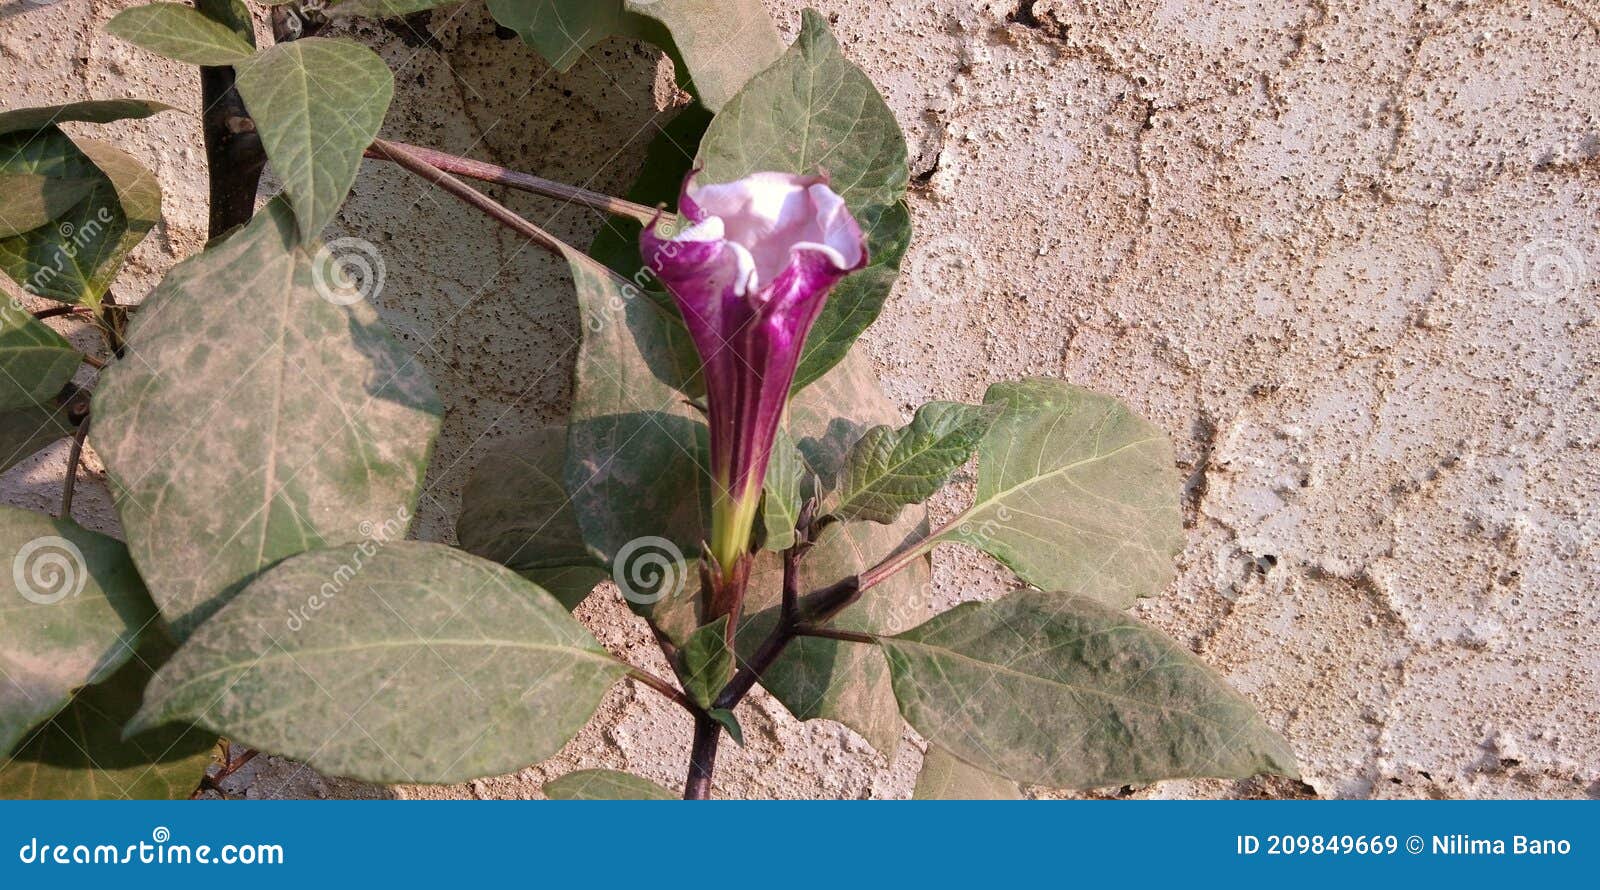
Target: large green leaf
[[891, 468], [1075, 493], [93, 111], [75, 257], [515, 512], [719, 45], [29, 200], [180, 32], [81, 754], [35, 361], [1056, 689], [72, 612], [604, 784], [943, 777], [26, 431], [420, 663], [255, 419], [824, 678], [815, 111], [317, 103], [636, 449]]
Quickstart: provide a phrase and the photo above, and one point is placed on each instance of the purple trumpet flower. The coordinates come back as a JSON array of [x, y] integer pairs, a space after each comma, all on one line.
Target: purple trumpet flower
[[750, 275]]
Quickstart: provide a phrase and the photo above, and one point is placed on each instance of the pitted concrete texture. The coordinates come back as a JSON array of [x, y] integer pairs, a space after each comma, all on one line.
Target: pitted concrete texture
[[1346, 252]]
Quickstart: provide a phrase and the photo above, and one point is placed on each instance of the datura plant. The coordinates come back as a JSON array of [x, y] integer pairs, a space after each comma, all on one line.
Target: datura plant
[[729, 465]]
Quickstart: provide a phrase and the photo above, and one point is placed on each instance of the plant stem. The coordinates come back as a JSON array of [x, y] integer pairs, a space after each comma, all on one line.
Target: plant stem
[[487, 172], [702, 758], [665, 688], [74, 458], [57, 311]]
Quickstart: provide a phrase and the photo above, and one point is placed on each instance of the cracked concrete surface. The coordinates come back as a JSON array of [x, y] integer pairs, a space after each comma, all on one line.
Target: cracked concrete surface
[[1347, 253]]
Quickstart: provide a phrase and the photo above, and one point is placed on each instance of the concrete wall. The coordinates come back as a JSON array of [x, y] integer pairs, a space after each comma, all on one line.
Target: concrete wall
[[1346, 252]]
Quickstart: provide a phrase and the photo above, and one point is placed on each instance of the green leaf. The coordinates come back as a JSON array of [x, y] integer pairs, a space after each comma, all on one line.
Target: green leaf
[[35, 361], [780, 499], [667, 160], [832, 679], [729, 722], [94, 111], [636, 449], [318, 103], [418, 663], [722, 43], [813, 110], [1056, 689], [604, 784], [1075, 493], [514, 511], [81, 754], [72, 612], [943, 777], [28, 200], [254, 419], [75, 258], [705, 663], [180, 32], [27, 431], [562, 30], [718, 45], [890, 468]]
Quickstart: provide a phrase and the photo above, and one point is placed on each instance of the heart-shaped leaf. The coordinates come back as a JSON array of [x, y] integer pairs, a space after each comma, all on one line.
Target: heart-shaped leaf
[[813, 110], [1075, 493], [943, 777], [604, 784], [35, 361], [317, 103], [80, 754], [255, 419], [72, 612], [418, 663], [515, 512], [891, 468], [180, 32], [1056, 689]]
